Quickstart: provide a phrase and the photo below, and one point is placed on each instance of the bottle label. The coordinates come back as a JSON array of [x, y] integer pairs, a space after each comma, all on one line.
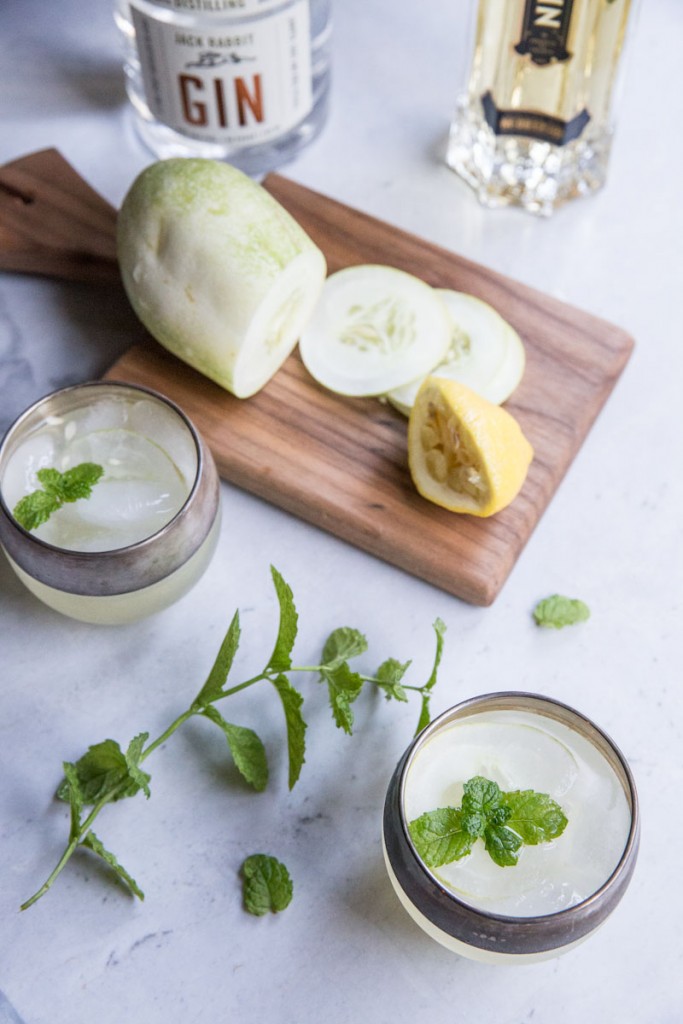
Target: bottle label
[[545, 29], [218, 8], [244, 84], [532, 123], [543, 40]]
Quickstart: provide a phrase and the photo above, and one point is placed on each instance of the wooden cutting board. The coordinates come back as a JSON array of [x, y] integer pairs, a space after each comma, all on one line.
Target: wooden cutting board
[[340, 463]]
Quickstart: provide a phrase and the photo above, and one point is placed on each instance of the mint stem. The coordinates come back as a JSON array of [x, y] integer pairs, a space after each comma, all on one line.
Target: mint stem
[[74, 843], [167, 733], [295, 724]]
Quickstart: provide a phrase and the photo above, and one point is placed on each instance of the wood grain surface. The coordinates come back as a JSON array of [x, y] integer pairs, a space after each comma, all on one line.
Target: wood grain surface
[[340, 463], [52, 222]]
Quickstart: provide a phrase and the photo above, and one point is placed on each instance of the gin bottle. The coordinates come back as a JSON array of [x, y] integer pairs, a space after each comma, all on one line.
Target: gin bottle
[[240, 80]]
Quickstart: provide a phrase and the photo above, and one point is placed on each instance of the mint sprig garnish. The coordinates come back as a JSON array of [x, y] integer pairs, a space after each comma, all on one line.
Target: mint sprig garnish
[[266, 884], [58, 489], [558, 611], [505, 821], [108, 772]]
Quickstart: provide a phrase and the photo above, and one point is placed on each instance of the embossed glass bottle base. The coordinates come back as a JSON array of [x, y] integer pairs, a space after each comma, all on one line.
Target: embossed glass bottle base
[[510, 170]]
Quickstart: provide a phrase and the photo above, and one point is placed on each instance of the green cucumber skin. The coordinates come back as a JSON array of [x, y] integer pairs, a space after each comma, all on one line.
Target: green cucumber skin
[[200, 244]]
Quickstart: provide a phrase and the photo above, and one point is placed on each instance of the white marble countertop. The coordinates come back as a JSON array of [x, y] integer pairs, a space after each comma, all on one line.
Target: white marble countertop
[[345, 951]]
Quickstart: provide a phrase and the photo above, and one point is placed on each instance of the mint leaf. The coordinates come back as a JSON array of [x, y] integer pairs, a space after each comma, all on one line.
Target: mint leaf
[[133, 755], [474, 823], [51, 481], [425, 713], [101, 770], [440, 629], [505, 821], [94, 844], [266, 884], [74, 797], [281, 658], [343, 686], [389, 676], [213, 687], [481, 796], [502, 845], [34, 509], [439, 836], [534, 816], [78, 481], [343, 683], [246, 749], [342, 644], [557, 611], [296, 727], [106, 773]]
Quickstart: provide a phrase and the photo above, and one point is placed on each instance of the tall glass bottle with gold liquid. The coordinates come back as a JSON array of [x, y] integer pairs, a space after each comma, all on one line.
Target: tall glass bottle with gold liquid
[[534, 127]]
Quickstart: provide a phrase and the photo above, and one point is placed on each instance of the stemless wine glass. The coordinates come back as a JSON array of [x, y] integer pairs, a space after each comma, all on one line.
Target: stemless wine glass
[[147, 532], [560, 891]]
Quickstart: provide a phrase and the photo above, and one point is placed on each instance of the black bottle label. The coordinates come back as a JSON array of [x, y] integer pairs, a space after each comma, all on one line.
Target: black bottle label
[[545, 30], [532, 123]]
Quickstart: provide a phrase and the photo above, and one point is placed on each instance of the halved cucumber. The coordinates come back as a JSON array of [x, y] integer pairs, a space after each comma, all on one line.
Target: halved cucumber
[[217, 270], [374, 329], [486, 353]]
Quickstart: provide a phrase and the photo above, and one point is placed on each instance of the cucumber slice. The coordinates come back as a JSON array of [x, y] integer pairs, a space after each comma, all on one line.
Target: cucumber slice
[[486, 353], [374, 329], [217, 270]]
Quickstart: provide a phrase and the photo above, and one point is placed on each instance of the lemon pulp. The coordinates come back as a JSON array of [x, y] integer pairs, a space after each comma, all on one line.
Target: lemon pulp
[[465, 453]]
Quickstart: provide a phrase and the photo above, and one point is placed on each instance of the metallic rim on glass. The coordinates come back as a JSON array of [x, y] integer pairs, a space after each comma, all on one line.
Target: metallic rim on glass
[[122, 570], [498, 933]]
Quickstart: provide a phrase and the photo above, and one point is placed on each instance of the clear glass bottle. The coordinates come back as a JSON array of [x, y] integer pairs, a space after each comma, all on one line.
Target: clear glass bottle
[[246, 81], [534, 126]]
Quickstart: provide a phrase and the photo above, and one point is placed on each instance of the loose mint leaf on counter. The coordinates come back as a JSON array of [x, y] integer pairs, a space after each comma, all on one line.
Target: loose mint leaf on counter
[[266, 884], [557, 611], [505, 821], [34, 509], [440, 837]]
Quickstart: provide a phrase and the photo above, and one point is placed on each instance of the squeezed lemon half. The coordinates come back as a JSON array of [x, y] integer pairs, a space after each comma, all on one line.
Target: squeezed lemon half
[[465, 453]]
